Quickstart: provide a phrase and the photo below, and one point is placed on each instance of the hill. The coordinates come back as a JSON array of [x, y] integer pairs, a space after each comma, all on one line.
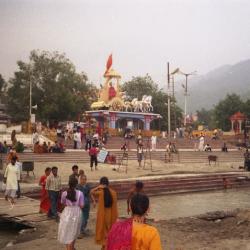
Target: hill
[[207, 90]]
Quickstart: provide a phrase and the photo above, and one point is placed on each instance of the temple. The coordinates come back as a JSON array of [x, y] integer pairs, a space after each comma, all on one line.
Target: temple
[[112, 110]]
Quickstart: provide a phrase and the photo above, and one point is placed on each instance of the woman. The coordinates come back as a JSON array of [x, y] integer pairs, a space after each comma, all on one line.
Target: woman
[[134, 233], [71, 217], [107, 210], [11, 177], [44, 201]]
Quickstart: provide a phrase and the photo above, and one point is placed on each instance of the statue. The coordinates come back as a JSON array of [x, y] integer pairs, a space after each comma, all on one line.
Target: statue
[[112, 91]]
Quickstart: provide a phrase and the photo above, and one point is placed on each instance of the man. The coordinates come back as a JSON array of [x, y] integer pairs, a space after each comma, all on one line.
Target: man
[[93, 157], [11, 178], [75, 174], [53, 186], [84, 187], [153, 142]]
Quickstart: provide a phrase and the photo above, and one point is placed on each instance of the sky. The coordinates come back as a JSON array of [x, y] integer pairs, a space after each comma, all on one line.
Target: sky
[[142, 35]]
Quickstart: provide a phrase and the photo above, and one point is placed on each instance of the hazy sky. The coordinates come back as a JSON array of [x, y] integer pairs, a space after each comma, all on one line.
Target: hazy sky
[[142, 35]]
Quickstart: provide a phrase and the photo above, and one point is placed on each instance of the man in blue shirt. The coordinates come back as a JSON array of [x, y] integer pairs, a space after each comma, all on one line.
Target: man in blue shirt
[[84, 187]]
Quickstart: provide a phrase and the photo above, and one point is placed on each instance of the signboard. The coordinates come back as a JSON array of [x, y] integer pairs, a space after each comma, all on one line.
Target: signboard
[[101, 157]]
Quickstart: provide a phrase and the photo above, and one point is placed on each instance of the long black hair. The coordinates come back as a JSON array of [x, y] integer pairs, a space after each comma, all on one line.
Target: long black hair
[[108, 200], [71, 192], [139, 204]]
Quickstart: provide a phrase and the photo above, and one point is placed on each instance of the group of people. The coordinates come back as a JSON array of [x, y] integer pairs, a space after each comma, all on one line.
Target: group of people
[[110, 233], [58, 147]]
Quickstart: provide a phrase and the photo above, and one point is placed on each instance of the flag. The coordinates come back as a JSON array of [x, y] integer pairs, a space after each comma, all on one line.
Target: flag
[[109, 63]]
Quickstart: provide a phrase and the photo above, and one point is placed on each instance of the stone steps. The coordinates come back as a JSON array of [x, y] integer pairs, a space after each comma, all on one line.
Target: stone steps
[[182, 185], [182, 157]]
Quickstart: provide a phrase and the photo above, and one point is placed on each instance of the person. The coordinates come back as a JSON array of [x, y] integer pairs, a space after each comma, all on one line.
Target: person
[[6, 148], [207, 148], [59, 132], [247, 160], [139, 138], [80, 173], [168, 153], [77, 137], [88, 142], [201, 143], [224, 148], [19, 167], [71, 217], [112, 91], [74, 174], [11, 177], [12, 154], [45, 147], [50, 148], [138, 188], [84, 187], [153, 142], [140, 153], [134, 233], [53, 186], [93, 157], [13, 138], [107, 212], [35, 137], [44, 200]]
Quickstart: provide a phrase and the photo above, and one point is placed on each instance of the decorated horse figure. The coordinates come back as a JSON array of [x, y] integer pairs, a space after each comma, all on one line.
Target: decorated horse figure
[[137, 105], [148, 101]]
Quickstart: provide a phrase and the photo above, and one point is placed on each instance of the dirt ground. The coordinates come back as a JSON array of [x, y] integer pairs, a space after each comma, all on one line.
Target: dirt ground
[[176, 234]]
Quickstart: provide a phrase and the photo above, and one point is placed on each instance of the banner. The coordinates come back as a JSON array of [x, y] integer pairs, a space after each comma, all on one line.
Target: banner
[[101, 157]]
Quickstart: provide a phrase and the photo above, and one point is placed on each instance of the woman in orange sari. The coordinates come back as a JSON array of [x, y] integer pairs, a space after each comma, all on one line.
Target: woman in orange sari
[[134, 233], [44, 201], [107, 210]]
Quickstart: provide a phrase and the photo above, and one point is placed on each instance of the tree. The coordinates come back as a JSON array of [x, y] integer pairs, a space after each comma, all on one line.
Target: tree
[[225, 108], [139, 86], [58, 91], [3, 86], [206, 117]]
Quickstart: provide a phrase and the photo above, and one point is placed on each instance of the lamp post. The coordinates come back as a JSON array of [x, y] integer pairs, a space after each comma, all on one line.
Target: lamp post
[[186, 93], [169, 96], [169, 121]]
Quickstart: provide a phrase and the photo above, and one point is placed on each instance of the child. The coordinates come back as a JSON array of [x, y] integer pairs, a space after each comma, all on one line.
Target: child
[[84, 187], [138, 188]]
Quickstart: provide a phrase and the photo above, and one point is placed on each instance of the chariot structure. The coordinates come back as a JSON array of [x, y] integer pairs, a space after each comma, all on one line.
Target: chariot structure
[[115, 111]]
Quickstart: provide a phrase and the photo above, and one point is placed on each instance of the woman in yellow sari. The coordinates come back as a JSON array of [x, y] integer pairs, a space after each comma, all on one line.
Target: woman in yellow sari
[[134, 233], [107, 210]]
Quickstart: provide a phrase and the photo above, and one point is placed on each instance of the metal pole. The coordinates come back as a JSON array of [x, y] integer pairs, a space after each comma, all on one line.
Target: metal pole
[[185, 104], [30, 97], [169, 121]]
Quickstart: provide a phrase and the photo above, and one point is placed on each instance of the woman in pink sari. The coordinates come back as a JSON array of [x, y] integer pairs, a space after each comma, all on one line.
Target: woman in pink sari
[[134, 233], [44, 200]]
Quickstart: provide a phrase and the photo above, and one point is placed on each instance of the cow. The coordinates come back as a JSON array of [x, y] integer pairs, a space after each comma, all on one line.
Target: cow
[[212, 158]]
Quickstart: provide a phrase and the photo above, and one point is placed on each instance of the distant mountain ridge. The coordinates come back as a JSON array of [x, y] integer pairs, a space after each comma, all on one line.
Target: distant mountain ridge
[[207, 90]]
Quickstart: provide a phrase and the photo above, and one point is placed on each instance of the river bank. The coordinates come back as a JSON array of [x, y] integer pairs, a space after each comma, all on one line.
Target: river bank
[[182, 233], [177, 219]]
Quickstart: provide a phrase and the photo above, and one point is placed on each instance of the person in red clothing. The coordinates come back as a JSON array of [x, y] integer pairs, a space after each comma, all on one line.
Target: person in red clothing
[[44, 200], [112, 91], [93, 151]]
